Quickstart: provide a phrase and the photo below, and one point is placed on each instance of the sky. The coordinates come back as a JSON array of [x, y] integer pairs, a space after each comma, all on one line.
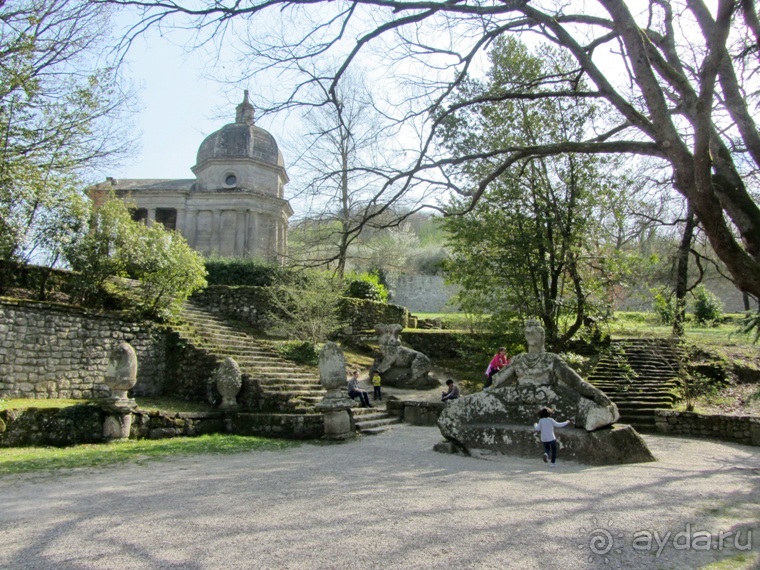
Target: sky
[[179, 105]]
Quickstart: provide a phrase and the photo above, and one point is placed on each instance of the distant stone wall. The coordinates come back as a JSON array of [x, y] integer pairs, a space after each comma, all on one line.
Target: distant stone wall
[[253, 305], [422, 293], [54, 351], [739, 429]]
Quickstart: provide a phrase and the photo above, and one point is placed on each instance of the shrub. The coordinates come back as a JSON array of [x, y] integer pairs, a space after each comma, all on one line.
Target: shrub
[[167, 269], [707, 307], [308, 310], [664, 308], [302, 352], [252, 272], [366, 286]]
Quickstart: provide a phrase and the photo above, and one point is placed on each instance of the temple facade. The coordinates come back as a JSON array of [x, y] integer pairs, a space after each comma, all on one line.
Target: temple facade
[[235, 206]]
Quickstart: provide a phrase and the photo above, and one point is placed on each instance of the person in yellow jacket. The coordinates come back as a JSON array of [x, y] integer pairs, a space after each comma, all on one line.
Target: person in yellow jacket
[[374, 377]]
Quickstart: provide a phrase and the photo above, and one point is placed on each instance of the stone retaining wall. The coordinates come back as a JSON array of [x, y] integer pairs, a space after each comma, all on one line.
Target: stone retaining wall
[[450, 344], [55, 351], [739, 429], [84, 424]]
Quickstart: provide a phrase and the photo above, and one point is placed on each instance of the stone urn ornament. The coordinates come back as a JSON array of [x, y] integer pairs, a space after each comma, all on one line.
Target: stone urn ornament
[[335, 406], [121, 373], [228, 380]]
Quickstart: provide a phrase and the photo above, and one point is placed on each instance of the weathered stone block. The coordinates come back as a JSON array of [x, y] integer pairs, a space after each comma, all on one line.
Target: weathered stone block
[[423, 413]]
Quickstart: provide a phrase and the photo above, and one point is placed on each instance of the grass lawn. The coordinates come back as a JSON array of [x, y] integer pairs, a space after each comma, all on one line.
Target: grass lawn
[[170, 405], [16, 460]]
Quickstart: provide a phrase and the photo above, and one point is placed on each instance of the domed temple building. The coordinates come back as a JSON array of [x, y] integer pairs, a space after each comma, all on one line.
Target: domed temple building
[[235, 206]]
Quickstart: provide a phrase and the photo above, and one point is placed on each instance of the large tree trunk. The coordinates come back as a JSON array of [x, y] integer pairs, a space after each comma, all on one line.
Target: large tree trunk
[[682, 274]]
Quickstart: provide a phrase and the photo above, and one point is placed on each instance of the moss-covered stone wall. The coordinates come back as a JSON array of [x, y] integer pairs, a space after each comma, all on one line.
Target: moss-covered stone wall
[[56, 351], [739, 429]]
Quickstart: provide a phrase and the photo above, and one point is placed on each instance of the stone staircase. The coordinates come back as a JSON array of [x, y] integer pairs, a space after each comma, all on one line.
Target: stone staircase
[[640, 376], [375, 420], [279, 385]]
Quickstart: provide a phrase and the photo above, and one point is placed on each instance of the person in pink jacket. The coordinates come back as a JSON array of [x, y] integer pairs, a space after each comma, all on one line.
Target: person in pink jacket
[[499, 361]]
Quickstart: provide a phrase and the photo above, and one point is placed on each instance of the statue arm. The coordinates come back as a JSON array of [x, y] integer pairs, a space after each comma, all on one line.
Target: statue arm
[[507, 375], [571, 378]]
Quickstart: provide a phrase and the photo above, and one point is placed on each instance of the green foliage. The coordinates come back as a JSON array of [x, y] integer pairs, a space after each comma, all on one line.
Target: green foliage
[[302, 352], [308, 311], [693, 387], [664, 308], [167, 270], [750, 324], [532, 247], [707, 307], [58, 115], [251, 272], [366, 286]]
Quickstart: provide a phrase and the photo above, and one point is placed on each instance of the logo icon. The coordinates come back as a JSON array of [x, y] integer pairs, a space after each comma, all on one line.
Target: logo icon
[[602, 542]]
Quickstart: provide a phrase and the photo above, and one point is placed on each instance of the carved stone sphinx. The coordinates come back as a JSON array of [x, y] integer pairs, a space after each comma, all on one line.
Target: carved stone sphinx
[[398, 366]]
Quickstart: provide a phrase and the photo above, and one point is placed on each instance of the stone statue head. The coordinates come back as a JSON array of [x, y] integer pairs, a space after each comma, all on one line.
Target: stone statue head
[[387, 337], [535, 335]]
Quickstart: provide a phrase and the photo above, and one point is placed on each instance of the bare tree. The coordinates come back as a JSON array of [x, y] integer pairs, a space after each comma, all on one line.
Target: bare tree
[[677, 79], [343, 160]]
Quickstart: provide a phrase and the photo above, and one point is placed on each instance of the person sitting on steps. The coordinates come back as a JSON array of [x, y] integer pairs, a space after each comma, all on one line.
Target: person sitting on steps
[[452, 393], [354, 390]]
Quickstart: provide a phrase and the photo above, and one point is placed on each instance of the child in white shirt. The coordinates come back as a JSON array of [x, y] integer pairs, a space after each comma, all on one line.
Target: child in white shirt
[[546, 425]]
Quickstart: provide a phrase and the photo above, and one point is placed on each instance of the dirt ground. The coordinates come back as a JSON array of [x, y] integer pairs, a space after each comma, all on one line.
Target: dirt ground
[[389, 501]]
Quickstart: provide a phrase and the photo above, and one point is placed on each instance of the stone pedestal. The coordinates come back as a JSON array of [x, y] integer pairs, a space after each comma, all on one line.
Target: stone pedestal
[[610, 446], [118, 422], [339, 424], [121, 376], [117, 427]]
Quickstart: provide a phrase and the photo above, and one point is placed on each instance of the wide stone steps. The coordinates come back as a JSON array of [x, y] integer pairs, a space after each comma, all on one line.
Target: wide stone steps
[[372, 421], [640, 377], [284, 386]]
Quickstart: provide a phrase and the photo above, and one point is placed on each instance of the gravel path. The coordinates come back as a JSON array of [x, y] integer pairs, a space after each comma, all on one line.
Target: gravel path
[[388, 502]]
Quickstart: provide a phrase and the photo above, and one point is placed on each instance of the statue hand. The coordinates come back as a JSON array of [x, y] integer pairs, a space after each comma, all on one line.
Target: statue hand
[[602, 400]]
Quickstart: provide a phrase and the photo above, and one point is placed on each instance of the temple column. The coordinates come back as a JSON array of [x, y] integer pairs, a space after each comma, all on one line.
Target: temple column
[[151, 217], [191, 221], [253, 233], [180, 225], [240, 228], [216, 233]]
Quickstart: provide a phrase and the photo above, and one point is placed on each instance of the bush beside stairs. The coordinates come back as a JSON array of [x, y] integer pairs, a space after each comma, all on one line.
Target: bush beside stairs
[[282, 386], [640, 376]]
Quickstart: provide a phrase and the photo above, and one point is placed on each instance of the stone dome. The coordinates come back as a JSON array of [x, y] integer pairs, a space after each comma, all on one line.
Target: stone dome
[[241, 139]]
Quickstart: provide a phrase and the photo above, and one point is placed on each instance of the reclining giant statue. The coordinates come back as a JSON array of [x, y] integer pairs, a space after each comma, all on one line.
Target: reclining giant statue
[[540, 368], [501, 418]]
